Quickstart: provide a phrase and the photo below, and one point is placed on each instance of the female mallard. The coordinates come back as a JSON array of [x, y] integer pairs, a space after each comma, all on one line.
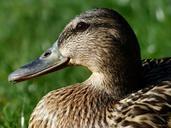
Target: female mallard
[[122, 92]]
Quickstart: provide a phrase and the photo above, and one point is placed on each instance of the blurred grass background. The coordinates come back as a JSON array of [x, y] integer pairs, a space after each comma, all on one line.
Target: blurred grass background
[[28, 27]]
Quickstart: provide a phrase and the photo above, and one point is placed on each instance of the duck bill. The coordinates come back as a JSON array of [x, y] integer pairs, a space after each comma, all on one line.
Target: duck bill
[[50, 61]]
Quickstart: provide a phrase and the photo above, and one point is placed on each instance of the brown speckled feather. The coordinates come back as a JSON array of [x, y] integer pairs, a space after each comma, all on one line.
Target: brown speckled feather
[[81, 106]]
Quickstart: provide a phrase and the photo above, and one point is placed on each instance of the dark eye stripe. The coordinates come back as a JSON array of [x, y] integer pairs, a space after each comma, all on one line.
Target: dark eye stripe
[[79, 28], [64, 35], [82, 26], [104, 25]]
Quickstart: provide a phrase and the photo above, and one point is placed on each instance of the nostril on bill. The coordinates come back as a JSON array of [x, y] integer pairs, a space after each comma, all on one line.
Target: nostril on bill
[[47, 53]]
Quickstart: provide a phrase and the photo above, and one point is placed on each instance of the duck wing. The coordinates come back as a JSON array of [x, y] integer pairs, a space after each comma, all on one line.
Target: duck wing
[[151, 106], [156, 70]]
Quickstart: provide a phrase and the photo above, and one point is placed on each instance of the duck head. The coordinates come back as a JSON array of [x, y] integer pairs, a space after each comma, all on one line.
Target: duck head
[[99, 39]]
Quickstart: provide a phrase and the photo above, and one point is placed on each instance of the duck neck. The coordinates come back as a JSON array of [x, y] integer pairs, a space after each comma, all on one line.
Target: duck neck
[[117, 80]]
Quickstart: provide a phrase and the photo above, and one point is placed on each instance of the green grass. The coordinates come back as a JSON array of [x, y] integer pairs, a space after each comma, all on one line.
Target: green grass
[[28, 27]]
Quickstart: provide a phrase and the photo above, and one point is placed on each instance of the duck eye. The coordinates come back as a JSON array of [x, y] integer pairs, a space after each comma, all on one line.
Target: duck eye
[[82, 26]]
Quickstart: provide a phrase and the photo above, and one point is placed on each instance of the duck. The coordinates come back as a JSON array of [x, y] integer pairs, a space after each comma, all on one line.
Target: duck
[[123, 90]]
